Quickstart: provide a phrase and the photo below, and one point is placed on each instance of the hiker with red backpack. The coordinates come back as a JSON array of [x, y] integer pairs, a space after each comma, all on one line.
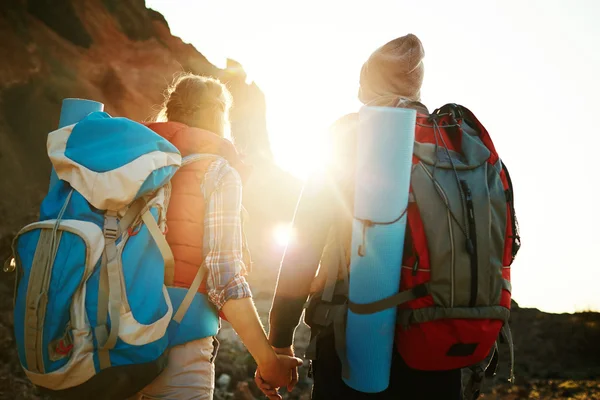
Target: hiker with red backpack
[[461, 238]]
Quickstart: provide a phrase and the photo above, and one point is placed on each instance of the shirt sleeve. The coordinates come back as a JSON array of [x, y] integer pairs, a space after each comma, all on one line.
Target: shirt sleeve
[[223, 236]]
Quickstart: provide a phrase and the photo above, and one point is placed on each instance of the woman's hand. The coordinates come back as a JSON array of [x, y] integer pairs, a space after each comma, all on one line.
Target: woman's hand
[[276, 370], [281, 372], [261, 378]]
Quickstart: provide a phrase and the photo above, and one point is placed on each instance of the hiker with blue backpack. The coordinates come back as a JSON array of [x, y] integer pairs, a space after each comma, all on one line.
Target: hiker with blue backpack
[[138, 252], [452, 300], [205, 228]]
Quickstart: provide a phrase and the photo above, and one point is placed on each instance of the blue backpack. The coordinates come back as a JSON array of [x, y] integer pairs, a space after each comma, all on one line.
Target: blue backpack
[[92, 313]]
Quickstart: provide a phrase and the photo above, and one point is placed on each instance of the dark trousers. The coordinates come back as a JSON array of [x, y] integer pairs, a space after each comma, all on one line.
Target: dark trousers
[[405, 383]]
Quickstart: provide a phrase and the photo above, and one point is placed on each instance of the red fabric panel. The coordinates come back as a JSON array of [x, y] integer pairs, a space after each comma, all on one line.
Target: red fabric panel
[[425, 346]]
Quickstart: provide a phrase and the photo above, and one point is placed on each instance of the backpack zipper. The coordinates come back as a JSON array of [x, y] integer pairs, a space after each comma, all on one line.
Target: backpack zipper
[[415, 267], [471, 242], [415, 270], [516, 239]]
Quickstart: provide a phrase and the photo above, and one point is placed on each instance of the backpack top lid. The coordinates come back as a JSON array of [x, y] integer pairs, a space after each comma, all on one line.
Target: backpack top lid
[[112, 161]]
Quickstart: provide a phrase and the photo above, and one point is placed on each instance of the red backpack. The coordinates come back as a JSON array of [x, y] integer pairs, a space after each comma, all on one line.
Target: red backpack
[[461, 239]]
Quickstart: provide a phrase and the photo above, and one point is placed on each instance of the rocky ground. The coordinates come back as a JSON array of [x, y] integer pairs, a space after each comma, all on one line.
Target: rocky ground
[[538, 377], [539, 371]]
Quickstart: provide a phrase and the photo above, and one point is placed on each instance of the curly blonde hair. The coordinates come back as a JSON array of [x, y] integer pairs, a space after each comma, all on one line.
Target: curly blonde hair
[[198, 101]]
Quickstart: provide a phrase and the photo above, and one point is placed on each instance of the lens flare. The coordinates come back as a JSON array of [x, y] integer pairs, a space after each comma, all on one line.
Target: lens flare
[[283, 234]]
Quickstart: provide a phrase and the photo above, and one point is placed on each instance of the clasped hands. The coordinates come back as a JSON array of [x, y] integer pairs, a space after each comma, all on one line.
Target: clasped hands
[[280, 372]]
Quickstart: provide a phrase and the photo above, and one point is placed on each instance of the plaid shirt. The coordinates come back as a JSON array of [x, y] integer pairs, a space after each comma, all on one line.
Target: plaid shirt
[[223, 237]]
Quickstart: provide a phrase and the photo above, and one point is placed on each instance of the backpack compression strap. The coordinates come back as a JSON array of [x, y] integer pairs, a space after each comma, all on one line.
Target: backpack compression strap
[[109, 291], [506, 336], [390, 302]]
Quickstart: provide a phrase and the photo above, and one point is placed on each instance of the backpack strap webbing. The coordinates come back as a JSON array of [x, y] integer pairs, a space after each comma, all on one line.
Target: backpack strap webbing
[[113, 229], [133, 212], [329, 314], [395, 300], [37, 291], [335, 267], [163, 246], [506, 336], [189, 296], [109, 291], [202, 270], [37, 299]]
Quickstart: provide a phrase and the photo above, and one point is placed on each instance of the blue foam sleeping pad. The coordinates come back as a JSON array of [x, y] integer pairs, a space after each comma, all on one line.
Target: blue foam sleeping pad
[[71, 112], [384, 155]]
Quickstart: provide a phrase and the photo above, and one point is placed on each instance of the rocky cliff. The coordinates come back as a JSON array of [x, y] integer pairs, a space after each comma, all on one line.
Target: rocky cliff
[[122, 54]]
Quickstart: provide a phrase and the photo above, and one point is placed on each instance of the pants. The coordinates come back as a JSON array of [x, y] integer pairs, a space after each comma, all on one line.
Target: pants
[[190, 373], [405, 383]]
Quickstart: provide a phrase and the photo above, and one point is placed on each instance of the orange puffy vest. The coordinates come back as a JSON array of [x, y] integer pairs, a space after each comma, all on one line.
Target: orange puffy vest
[[185, 215]]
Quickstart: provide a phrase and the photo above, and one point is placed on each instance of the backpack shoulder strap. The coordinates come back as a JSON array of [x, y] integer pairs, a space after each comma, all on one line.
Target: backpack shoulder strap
[[189, 296], [163, 246], [202, 271], [336, 265], [192, 158]]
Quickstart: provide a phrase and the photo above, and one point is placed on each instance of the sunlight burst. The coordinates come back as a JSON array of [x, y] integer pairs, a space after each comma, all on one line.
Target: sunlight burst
[[283, 234]]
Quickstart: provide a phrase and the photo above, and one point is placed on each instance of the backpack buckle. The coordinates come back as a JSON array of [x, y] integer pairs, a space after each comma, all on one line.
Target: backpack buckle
[[111, 225]]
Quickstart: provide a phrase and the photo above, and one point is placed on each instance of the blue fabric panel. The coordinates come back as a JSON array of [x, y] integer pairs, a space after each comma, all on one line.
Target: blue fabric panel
[[384, 155], [26, 250], [102, 143], [125, 354], [71, 112], [156, 179], [143, 269], [200, 321], [66, 278], [78, 207]]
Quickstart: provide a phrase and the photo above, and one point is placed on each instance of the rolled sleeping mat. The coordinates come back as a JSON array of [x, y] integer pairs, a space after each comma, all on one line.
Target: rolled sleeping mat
[[71, 112], [384, 161]]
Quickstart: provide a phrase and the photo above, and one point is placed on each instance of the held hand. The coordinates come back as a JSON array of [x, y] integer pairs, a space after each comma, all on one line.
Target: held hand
[[267, 390], [288, 351], [277, 373]]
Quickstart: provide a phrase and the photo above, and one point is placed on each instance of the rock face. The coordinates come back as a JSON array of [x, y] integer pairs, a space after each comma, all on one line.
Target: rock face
[[123, 54]]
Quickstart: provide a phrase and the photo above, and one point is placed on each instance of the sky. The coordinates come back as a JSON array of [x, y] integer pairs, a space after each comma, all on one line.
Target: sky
[[527, 69]]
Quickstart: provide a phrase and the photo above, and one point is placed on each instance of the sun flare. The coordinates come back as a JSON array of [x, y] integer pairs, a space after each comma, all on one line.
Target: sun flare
[[283, 234]]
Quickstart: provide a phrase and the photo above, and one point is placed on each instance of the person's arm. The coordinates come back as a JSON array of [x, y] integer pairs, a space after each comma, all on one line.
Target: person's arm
[[228, 289], [312, 220], [323, 198]]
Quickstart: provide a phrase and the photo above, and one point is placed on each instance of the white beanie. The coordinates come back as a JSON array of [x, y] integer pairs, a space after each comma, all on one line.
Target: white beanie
[[394, 69]]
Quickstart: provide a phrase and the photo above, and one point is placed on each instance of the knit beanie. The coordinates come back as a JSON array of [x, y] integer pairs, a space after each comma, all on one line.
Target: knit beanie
[[393, 70]]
